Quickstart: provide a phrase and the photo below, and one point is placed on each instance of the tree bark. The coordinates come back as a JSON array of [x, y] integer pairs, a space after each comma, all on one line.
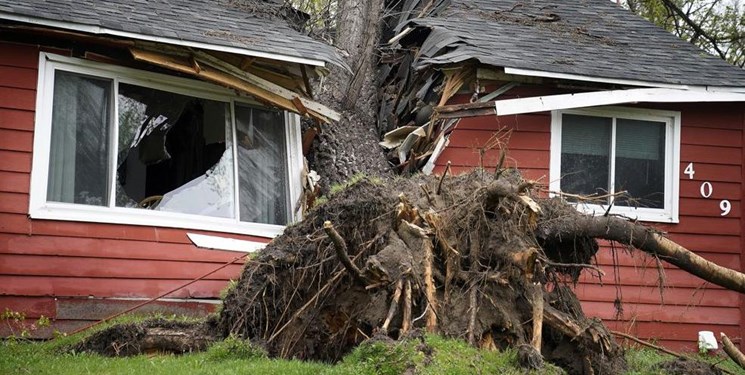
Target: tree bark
[[350, 146]]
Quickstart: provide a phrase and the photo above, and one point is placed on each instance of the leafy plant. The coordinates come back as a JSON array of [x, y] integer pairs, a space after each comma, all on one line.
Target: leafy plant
[[19, 327]]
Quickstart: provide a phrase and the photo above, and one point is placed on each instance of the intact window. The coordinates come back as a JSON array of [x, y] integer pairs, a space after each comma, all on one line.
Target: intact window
[[626, 157], [133, 146]]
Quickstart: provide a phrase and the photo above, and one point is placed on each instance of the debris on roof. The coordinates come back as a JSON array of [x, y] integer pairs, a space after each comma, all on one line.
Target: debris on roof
[[226, 42], [440, 47], [262, 28]]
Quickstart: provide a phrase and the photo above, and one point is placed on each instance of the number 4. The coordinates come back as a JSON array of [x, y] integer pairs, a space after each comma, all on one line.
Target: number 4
[[689, 171]]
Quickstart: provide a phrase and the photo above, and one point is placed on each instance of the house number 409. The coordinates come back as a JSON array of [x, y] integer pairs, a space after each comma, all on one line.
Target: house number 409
[[707, 190]]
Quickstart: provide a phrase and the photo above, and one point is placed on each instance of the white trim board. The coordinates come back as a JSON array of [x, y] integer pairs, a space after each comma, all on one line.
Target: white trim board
[[224, 243], [603, 98], [158, 39]]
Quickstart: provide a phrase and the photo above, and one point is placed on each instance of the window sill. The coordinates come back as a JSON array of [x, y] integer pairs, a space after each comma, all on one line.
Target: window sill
[[142, 217], [651, 215]]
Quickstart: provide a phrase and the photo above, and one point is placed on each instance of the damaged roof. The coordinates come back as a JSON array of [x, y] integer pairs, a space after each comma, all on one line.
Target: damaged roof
[[589, 38], [246, 27]]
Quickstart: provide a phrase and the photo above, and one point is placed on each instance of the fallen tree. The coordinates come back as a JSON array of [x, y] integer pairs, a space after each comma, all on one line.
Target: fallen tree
[[477, 257]]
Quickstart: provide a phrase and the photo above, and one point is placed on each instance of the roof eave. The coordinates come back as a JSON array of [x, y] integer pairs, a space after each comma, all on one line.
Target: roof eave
[[616, 81], [612, 97], [98, 30]]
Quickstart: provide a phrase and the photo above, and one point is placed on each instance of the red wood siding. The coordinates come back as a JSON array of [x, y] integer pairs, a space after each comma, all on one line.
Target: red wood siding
[[711, 138], [81, 272]]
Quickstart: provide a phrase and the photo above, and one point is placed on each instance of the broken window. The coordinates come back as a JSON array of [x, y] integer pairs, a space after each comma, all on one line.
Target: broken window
[[624, 157], [145, 147], [174, 153]]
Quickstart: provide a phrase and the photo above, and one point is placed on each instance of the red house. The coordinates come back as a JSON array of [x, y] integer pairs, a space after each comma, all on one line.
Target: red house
[[126, 127], [129, 130], [588, 99]]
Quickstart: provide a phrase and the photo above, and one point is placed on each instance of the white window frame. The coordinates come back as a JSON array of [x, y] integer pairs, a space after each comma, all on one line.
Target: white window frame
[[668, 214], [39, 208]]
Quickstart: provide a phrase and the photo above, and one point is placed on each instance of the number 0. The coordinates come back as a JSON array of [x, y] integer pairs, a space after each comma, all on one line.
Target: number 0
[[706, 189], [725, 206], [689, 171]]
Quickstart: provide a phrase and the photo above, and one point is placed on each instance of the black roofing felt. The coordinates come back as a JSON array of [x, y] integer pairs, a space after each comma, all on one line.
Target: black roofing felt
[[229, 23], [593, 38]]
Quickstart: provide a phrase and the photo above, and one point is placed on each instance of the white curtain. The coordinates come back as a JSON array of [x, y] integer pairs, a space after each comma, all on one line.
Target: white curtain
[[262, 165]]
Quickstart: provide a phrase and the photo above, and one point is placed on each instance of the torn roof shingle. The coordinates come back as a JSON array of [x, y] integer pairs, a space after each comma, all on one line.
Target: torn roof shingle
[[593, 38], [219, 23]]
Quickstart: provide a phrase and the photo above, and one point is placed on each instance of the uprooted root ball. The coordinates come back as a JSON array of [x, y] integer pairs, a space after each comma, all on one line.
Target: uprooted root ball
[[463, 257]]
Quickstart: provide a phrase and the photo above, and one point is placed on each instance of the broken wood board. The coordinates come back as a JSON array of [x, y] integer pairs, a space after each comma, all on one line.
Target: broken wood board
[[213, 75]]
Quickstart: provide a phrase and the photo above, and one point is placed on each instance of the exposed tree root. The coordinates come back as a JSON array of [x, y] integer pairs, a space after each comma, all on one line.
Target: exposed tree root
[[463, 262]]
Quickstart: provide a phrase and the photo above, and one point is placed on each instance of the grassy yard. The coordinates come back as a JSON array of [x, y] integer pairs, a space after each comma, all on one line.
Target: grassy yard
[[435, 355]]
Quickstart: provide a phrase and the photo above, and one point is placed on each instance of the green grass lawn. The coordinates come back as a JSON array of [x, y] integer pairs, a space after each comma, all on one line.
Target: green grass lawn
[[233, 356], [448, 357]]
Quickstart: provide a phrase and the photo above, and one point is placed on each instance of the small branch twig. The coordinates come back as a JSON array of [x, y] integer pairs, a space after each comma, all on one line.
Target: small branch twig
[[426, 194], [394, 306], [445, 173], [586, 198], [473, 307], [537, 301], [576, 265], [341, 251], [647, 344], [406, 324], [429, 284]]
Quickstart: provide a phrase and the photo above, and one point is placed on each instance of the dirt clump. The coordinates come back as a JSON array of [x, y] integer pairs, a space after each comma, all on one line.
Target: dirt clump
[[150, 336]]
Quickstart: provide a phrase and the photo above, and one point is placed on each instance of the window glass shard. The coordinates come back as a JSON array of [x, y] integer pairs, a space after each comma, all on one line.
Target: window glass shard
[[78, 156]]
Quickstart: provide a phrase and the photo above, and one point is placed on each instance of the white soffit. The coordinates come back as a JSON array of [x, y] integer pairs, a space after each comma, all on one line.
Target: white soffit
[[224, 243], [601, 98], [90, 29]]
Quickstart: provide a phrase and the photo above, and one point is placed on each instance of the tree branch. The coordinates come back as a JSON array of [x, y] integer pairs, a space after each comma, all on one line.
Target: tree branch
[[669, 4], [645, 239]]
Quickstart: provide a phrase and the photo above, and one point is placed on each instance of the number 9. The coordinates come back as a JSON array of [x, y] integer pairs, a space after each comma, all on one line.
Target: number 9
[[725, 206]]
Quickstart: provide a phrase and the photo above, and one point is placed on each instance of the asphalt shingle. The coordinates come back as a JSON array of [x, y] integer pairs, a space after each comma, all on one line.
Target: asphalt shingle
[[593, 38], [225, 23]]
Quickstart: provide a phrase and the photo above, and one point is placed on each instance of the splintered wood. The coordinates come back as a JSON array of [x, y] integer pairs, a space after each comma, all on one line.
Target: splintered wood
[[215, 70]]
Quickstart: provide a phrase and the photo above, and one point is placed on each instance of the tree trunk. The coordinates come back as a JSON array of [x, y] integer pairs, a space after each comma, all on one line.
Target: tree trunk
[[350, 146]]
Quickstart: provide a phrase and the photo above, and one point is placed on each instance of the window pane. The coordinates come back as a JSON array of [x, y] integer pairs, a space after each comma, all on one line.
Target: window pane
[[640, 162], [78, 156], [262, 165], [175, 153], [585, 146]]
